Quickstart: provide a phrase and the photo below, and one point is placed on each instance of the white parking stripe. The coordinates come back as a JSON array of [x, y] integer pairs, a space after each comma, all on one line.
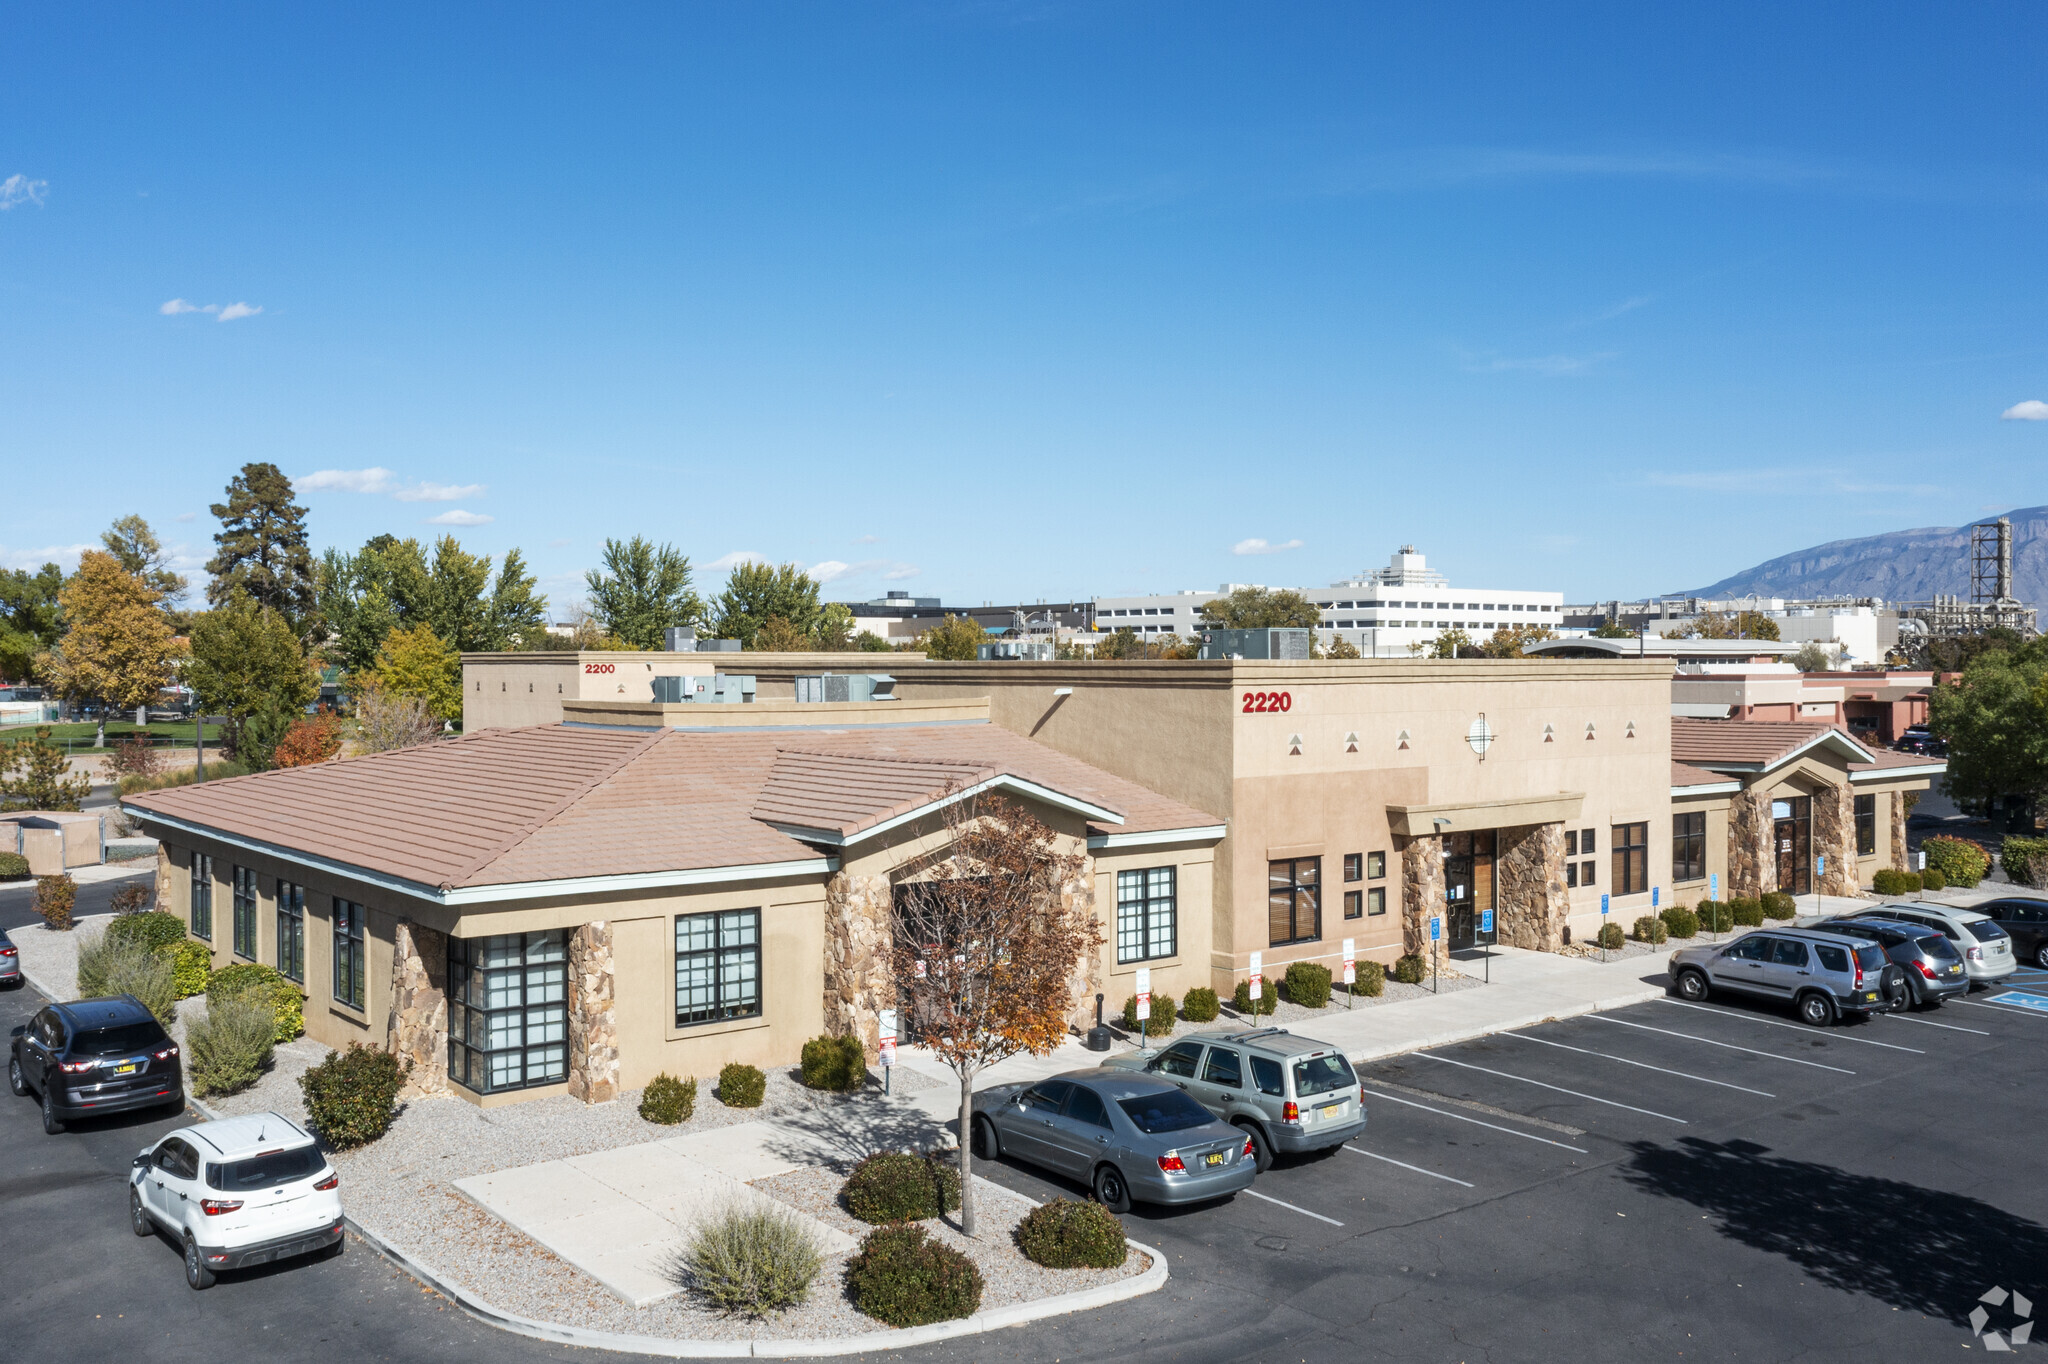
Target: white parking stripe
[[1795, 1027], [1361, 1151], [1291, 1208], [1644, 1064], [1462, 1118], [1795, 1060], [1559, 1088], [1908, 1018]]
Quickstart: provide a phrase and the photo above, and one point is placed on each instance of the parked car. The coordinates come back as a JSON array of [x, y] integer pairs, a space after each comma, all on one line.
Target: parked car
[[1920, 739], [95, 1056], [10, 962], [1986, 948], [1128, 1137], [1932, 968], [1291, 1094], [237, 1192], [1821, 975], [2025, 921]]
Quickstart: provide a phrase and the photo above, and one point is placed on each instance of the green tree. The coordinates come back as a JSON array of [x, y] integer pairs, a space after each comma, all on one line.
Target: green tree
[[262, 547], [355, 605], [834, 630], [35, 775], [756, 592], [1612, 629], [868, 642], [1513, 641], [132, 542], [1955, 653], [1449, 644], [417, 662], [391, 583], [1722, 625], [1261, 608], [643, 591], [956, 638], [118, 645], [31, 618], [518, 613], [246, 656], [1995, 719], [778, 636]]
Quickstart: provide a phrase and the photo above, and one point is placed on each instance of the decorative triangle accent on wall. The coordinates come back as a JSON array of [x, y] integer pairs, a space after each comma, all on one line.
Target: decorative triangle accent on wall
[[1401, 740], [1351, 742], [1589, 729], [1549, 735], [1294, 745], [1631, 730]]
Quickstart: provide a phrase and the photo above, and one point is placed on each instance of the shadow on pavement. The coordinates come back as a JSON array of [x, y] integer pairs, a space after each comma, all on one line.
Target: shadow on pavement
[[840, 1134], [1916, 1249]]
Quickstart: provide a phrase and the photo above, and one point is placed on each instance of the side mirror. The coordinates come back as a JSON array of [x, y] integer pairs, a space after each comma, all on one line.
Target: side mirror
[[17, 1032], [141, 1162]]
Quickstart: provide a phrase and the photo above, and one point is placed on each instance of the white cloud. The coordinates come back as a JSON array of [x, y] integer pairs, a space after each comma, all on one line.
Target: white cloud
[[2032, 410], [561, 543], [438, 492], [179, 305], [726, 562], [230, 313], [19, 189], [186, 516], [65, 556], [1258, 546], [236, 310], [459, 517], [902, 571], [371, 480], [828, 570], [868, 540]]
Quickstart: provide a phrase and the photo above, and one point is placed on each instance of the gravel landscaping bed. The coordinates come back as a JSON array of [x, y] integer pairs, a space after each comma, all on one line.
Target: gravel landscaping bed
[[1590, 951]]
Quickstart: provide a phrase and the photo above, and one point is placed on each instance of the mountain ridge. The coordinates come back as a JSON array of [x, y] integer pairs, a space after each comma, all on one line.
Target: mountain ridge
[[1899, 566]]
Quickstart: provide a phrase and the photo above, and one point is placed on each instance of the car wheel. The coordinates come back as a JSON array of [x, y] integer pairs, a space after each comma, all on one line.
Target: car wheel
[[986, 1144], [2041, 955], [1111, 1191], [15, 1081], [1692, 985], [138, 1216], [52, 1124], [197, 1275], [1262, 1154], [1816, 1008]]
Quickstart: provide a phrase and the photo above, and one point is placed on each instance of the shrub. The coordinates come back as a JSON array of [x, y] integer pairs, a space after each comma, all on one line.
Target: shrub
[[1715, 916], [667, 1100], [152, 930], [1411, 969], [1159, 1023], [1372, 979], [1960, 861], [55, 897], [896, 1186], [1611, 937], [1650, 930], [287, 1005], [1200, 1005], [1889, 881], [191, 964], [1066, 1235], [132, 898], [217, 769], [1932, 879], [1308, 984], [1777, 904], [134, 756], [229, 1049], [741, 1086], [2025, 861], [108, 965], [750, 1259], [1746, 913], [1242, 1001], [13, 867], [1681, 922], [352, 1096], [904, 1278], [308, 742], [839, 1064]]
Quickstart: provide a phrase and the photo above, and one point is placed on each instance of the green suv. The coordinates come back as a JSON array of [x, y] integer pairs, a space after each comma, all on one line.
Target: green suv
[[1290, 1094]]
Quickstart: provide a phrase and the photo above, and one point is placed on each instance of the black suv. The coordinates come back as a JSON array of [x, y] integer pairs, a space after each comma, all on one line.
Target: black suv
[[2025, 920], [95, 1056]]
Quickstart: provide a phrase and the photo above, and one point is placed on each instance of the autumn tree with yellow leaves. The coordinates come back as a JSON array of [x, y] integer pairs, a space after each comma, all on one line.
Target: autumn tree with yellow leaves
[[117, 645]]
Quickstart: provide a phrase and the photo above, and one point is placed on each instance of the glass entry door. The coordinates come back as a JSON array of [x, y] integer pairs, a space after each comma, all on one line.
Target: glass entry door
[[1792, 829], [1468, 887]]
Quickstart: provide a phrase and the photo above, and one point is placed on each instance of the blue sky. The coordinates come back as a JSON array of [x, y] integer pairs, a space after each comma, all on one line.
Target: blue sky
[[994, 300]]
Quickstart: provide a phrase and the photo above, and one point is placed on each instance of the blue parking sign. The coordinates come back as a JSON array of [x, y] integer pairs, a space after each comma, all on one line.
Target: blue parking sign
[[1820, 865], [1654, 892], [1714, 886], [1603, 904], [1486, 921], [1436, 928]]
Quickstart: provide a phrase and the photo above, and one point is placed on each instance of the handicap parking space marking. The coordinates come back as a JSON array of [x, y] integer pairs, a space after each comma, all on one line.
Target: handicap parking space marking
[[1952, 1027], [1586, 1051], [1834, 1034], [1292, 1208], [2010, 1011], [2021, 1000], [1795, 1060], [1466, 1065], [1444, 1112], [1361, 1151]]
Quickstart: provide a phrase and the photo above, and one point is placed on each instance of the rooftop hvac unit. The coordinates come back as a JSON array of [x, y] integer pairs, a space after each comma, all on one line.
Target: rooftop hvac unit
[[726, 688], [846, 687], [1273, 644], [1032, 650], [681, 639]]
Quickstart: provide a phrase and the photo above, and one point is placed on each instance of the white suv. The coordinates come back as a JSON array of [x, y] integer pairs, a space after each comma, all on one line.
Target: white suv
[[235, 1193]]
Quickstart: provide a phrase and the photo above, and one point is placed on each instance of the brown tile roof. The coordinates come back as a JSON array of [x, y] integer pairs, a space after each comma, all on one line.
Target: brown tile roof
[[1682, 775], [561, 802], [1760, 744], [1884, 758]]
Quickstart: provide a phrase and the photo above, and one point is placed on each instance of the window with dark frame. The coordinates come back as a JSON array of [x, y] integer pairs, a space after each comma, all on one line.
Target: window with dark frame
[[718, 966], [1689, 846], [1866, 825], [508, 1011], [1571, 842], [1375, 866], [202, 896], [1376, 901], [1354, 867], [1294, 900], [348, 953], [1147, 927], [245, 912], [1629, 846], [291, 931], [1354, 904], [1589, 874], [1571, 875], [1587, 845]]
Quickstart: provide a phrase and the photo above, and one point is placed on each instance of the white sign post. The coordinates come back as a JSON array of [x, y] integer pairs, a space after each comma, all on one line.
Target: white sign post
[[1258, 966], [1350, 970], [1144, 1003], [886, 1025]]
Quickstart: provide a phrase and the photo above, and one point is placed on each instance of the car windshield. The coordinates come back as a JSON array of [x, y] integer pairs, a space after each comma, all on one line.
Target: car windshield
[[1321, 1074], [117, 1039], [265, 1171], [1985, 930], [1171, 1111]]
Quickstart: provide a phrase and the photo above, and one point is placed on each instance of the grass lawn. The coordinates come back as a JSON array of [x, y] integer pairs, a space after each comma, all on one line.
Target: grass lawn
[[77, 738]]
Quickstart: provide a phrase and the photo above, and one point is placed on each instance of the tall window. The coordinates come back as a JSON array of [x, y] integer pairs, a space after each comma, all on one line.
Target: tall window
[[202, 896], [1689, 846], [245, 912], [348, 953], [1866, 825], [1145, 914], [1294, 900], [1630, 844], [718, 966], [291, 931], [508, 1011]]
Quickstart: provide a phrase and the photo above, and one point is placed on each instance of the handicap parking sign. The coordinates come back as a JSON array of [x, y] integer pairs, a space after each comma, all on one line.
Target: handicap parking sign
[[1654, 892], [1436, 928], [1486, 921], [1603, 904]]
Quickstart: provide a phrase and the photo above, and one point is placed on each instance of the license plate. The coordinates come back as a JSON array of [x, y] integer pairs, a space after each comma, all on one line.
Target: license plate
[[1332, 1110], [1870, 994], [128, 1069], [1213, 1158]]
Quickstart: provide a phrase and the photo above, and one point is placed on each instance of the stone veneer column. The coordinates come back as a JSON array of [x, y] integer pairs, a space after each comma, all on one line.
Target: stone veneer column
[[1078, 896], [1752, 850], [164, 872], [1530, 875], [1834, 837], [857, 948], [593, 1022], [417, 1027], [1422, 890], [1898, 799]]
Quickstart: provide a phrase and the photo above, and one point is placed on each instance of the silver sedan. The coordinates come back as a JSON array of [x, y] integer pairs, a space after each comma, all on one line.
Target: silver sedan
[[1129, 1138]]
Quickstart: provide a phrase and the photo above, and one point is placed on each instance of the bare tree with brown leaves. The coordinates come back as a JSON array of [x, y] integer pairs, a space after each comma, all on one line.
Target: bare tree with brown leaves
[[985, 953]]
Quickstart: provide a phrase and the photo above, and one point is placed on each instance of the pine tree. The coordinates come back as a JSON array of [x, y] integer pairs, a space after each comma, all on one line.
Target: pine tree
[[263, 550], [35, 775]]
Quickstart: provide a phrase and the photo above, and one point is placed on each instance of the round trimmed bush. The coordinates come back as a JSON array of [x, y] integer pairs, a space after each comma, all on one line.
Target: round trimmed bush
[[1242, 1001], [2025, 860], [750, 1260], [904, 1278], [839, 1064], [1308, 984], [667, 1100], [1680, 922], [55, 897], [247, 977], [13, 867], [1200, 1005], [352, 1096], [1411, 969], [1933, 879], [1714, 916], [1778, 905], [1372, 979], [131, 899], [741, 1086], [1649, 930], [896, 1186], [1961, 861], [1890, 881], [1611, 937], [191, 964], [1159, 1023], [1063, 1234], [230, 1048], [1747, 913], [154, 929]]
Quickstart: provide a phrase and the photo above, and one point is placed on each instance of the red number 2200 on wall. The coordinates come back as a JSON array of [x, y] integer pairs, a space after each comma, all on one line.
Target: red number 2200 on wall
[[1263, 702]]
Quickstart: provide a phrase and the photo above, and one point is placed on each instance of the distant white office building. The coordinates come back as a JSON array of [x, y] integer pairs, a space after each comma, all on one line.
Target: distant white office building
[[1382, 612]]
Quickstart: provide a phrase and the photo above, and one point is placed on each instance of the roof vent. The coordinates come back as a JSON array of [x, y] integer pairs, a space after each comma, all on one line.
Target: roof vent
[[726, 688], [825, 687]]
